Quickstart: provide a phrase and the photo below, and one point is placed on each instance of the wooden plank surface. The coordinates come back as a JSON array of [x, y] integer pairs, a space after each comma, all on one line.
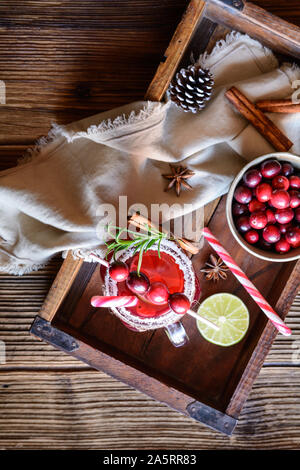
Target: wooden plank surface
[[88, 410], [62, 61], [258, 23]]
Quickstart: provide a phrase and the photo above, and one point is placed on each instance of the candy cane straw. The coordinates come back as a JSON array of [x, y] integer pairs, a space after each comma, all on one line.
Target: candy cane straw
[[114, 301], [106, 301], [246, 283]]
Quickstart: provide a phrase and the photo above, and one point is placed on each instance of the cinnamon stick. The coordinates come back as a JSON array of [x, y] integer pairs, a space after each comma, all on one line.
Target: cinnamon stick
[[258, 119], [278, 106], [140, 221], [282, 102]]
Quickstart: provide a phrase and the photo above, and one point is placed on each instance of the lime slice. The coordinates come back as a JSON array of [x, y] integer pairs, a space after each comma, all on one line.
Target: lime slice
[[229, 313]]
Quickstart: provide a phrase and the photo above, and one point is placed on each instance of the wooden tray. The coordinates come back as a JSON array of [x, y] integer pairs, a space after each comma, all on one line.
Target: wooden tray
[[206, 382]]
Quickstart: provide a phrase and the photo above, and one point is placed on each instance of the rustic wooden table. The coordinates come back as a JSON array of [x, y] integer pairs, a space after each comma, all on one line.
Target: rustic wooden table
[[62, 61]]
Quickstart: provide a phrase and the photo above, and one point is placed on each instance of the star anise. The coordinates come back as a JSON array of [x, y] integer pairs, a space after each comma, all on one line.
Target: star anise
[[178, 178], [215, 270]]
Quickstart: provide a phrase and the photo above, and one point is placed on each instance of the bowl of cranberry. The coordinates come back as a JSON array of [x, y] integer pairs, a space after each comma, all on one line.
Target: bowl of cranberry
[[263, 207]]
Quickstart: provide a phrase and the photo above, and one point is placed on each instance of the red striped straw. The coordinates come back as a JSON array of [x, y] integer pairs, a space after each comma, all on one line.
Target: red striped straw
[[107, 301], [246, 283]]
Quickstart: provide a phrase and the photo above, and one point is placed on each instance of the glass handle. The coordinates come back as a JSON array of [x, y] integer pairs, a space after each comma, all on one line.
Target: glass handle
[[177, 334]]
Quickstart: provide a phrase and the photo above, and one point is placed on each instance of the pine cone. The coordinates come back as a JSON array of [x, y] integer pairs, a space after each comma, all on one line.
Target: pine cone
[[191, 88]]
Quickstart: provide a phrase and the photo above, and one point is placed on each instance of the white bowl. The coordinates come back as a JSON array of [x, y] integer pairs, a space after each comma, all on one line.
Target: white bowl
[[266, 255]]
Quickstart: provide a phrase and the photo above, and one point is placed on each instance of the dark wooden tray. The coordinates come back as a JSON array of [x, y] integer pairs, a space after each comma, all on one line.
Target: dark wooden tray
[[204, 381]]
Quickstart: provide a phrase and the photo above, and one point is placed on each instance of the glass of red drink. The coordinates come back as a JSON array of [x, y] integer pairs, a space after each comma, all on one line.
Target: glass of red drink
[[174, 269]]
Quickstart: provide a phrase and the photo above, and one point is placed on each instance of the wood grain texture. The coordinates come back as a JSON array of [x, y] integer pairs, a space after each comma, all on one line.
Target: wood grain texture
[[258, 23], [62, 61], [88, 410], [60, 286], [175, 50]]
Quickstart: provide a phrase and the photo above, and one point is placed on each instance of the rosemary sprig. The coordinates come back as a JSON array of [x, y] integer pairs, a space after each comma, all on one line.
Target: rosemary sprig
[[141, 241]]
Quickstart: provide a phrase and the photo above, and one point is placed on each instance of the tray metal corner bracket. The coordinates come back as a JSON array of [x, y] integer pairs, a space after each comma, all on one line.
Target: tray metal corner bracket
[[45, 331], [210, 417], [237, 4]]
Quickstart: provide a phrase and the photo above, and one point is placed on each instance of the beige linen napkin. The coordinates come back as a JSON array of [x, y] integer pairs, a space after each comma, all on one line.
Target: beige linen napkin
[[49, 204]]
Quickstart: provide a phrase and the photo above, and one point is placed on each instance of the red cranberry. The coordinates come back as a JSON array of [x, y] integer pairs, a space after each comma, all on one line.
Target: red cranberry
[[270, 216], [280, 199], [158, 293], [243, 194], [252, 178], [179, 303], [239, 209], [243, 224], [280, 182], [284, 228], [284, 216], [256, 205], [138, 282], [282, 246], [265, 245], [292, 236], [258, 220], [263, 192], [271, 234], [287, 169], [251, 236], [295, 182], [270, 168], [294, 198], [297, 214], [118, 271]]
